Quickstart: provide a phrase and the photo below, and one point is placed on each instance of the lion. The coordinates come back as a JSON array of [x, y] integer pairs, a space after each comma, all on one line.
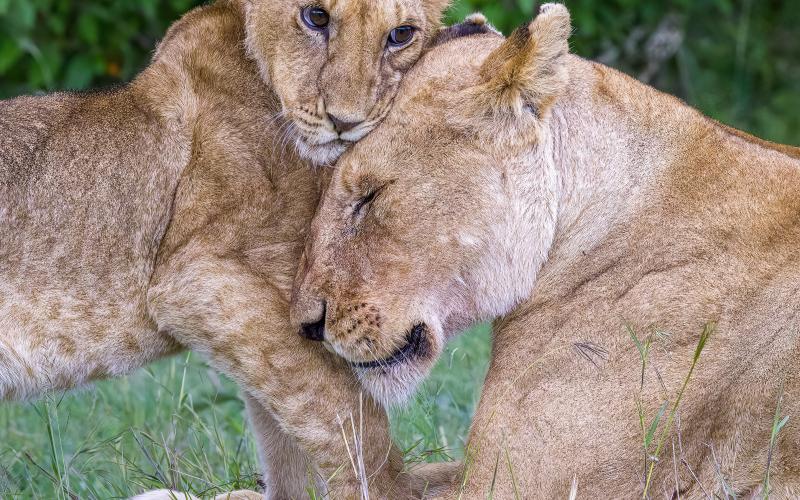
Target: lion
[[170, 214], [578, 208]]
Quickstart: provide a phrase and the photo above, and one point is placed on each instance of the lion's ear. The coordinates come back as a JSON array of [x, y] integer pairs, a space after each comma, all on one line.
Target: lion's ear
[[474, 24], [529, 70], [434, 11]]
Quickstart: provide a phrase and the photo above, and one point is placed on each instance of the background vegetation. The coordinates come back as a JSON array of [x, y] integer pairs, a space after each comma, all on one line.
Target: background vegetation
[[737, 60], [178, 423]]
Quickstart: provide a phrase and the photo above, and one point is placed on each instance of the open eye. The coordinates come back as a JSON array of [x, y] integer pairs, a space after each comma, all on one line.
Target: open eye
[[401, 36], [316, 18]]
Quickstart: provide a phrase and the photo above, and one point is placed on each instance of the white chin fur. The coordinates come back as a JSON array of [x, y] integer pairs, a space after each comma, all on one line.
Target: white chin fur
[[324, 155], [394, 386]]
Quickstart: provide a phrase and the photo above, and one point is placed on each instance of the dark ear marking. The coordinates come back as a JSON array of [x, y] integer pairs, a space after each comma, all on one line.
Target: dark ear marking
[[475, 24]]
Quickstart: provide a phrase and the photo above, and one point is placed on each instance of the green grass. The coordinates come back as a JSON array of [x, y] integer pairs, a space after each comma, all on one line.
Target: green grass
[[649, 436], [178, 424]]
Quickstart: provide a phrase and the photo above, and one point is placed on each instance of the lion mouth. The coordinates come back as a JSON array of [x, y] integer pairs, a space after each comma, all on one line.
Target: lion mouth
[[324, 154], [415, 347]]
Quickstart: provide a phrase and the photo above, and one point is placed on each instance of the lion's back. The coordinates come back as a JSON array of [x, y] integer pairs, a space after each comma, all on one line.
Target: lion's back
[[86, 182]]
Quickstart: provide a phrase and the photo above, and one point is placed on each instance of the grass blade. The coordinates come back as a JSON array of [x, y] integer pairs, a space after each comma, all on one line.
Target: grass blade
[[707, 331]]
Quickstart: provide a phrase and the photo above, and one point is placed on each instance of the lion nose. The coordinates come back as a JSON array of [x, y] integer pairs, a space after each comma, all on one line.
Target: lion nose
[[314, 331], [342, 126]]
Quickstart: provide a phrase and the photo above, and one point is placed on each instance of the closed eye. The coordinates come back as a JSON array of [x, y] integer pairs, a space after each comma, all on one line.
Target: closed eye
[[362, 205]]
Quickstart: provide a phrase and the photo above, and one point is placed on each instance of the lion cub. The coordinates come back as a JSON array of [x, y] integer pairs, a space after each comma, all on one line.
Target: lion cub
[[171, 213]]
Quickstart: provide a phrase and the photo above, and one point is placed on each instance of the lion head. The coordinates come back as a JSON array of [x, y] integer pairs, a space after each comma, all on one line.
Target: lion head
[[423, 230], [335, 65]]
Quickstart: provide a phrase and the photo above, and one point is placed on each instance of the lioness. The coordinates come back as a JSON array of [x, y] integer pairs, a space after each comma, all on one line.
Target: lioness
[[571, 201], [170, 214]]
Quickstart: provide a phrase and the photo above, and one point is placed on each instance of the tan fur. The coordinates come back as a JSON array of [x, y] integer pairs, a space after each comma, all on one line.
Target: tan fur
[[170, 214], [571, 201]]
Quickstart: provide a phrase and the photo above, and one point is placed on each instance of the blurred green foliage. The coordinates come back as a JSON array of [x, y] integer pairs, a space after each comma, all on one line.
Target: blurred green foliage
[[736, 60], [76, 44]]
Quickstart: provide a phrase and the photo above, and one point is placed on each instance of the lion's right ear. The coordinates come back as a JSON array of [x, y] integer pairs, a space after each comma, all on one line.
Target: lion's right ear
[[528, 72], [474, 24]]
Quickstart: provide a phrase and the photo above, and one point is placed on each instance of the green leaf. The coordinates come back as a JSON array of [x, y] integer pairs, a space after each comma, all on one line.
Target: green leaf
[[57, 25], [707, 331], [10, 53], [88, 29], [636, 341], [23, 14], [781, 424], [526, 6], [644, 349], [640, 412], [7, 485], [80, 72], [651, 431]]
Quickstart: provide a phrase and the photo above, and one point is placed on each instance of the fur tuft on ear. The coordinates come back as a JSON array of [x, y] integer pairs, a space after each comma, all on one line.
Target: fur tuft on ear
[[434, 11], [529, 70], [474, 24]]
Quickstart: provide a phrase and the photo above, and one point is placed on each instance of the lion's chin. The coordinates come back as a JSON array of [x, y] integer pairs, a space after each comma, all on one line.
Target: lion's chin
[[393, 386], [393, 380], [322, 155]]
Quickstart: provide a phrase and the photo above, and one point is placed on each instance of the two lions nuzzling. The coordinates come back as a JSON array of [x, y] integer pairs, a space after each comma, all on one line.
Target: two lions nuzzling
[[571, 201], [557, 193]]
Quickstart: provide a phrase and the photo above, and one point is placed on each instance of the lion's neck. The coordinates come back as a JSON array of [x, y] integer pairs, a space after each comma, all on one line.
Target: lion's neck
[[592, 171], [648, 184], [610, 155]]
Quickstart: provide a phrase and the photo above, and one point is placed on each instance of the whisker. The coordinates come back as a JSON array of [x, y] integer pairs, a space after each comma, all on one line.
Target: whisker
[[277, 139]]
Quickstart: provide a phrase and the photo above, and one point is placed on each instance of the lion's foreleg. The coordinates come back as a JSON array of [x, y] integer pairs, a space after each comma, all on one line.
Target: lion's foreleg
[[288, 471], [59, 339], [219, 308]]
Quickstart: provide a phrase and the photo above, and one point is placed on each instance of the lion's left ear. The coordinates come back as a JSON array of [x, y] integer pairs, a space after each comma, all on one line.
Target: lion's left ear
[[434, 11], [529, 70]]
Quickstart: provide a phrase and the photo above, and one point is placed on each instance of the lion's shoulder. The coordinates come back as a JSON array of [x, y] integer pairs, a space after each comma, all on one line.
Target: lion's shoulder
[[26, 123], [219, 25]]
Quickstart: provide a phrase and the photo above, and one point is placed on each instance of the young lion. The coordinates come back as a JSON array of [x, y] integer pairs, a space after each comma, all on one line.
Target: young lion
[[171, 213], [571, 201]]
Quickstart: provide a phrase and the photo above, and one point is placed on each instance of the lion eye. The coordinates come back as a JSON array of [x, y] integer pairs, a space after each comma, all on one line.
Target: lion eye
[[401, 36], [316, 18], [364, 202]]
